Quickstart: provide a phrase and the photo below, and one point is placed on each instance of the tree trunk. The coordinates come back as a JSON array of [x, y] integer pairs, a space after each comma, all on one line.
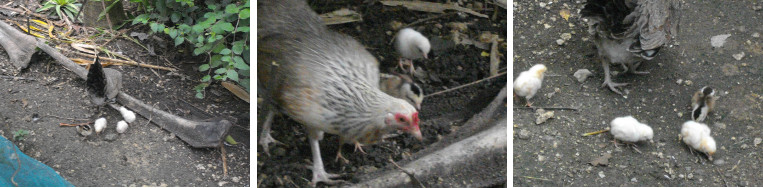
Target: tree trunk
[[93, 8]]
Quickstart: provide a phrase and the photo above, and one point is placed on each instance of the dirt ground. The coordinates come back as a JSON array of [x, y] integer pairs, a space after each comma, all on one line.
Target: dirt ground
[[555, 154], [449, 65], [145, 155]]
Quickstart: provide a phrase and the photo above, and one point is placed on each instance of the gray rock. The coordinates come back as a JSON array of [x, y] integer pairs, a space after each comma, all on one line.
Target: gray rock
[[582, 75], [524, 134], [718, 40]]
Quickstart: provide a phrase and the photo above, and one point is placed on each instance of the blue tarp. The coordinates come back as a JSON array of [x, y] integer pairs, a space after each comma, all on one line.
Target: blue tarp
[[32, 174]]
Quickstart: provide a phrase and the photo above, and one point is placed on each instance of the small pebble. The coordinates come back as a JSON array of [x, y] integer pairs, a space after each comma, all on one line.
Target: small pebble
[[679, 81], [634, 180], [744, 146], [559, 42], [719, 162], [566, 36], [757, 141], [524, 134], [738, 56], [718, 40], [601, 174], [756, 35]]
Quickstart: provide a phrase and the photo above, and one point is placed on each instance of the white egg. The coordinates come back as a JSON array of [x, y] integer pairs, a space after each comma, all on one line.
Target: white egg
[[628, 129], [100, 125], [697, 135], [122, 126], [127, 114]]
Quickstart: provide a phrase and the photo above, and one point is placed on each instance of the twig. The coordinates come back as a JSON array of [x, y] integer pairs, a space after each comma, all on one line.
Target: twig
[[16, 78], [414, 180], [122, 61], [18, 159], [59, 117], [548, 108], [461, 86], [528, 177], [722, 178], [427, 19], [73, 124], [225, 163], [596, 132]]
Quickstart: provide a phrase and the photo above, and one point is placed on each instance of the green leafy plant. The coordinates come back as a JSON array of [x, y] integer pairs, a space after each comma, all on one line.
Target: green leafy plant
[[64, 8], [19, 135], [218, 29]]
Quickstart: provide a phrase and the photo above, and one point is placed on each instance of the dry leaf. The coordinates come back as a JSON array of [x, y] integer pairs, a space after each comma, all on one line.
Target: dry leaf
[[601, 161], [565, 14], [238, 91], [341, 16]]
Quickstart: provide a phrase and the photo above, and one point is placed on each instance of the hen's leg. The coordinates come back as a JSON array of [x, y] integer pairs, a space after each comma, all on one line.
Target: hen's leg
[[339, 153], [319, 173], [265, 138], [608, 80], [359, 146]]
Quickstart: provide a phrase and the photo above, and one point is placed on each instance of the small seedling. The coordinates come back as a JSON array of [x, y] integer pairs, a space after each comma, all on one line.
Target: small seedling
[[19, 135]]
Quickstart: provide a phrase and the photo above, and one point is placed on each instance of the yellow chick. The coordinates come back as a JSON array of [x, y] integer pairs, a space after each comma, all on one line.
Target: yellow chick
[[528, 82]]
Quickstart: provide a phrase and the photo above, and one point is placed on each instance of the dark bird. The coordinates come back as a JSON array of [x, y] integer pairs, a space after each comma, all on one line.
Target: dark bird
[[628, 32], [102, 83], [702, 103]]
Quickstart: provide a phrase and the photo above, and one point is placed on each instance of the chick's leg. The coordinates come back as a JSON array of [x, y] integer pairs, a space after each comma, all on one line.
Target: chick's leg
[[633, 67], [359, 146], [319, 173], [265, 138], [339, 153], [608, 80]]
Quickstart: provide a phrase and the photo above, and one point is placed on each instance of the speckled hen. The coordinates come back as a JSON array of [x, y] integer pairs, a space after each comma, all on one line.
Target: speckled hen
[[628, 32], [324, 80]]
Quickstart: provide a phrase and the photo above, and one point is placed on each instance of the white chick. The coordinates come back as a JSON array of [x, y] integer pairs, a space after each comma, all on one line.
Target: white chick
[[628, 129], [410, 44], [122, 126], [127, 114], [697, 135], [702, 103], [528, 82], [100, 125]]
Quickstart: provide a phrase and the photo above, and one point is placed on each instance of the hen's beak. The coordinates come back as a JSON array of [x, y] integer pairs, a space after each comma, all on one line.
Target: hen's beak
[[416, 134], [425, 56]]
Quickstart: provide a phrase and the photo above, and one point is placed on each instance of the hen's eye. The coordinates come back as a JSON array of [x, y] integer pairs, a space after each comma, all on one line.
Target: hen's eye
[[400, 120]]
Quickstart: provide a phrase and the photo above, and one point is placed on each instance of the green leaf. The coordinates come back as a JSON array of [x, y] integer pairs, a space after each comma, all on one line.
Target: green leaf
[[231, 9], [238, 47], [218, 48], [198, 28], [172, 32], [212, 6], [221, 70], [225, 58], [215, 61], [225, 51], [204, 67], [46, 7], [227, 26], [199, 95], [239, 63], [185, 28], [58, 11], [244, 14], [175, 17], [244, 29], [179, 40], [232, 74], [206, 78], [141, 18]]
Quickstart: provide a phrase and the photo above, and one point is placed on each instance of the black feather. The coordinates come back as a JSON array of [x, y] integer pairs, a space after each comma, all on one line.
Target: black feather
[[96, 81]]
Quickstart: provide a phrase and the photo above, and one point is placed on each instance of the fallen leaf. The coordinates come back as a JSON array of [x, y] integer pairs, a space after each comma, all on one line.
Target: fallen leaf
[[565, 14], [238, 91], [601, 161]]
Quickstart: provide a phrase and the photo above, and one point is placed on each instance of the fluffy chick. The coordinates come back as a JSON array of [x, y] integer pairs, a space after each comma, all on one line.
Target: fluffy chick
[[702, 103], [628, 129], [411, 45], [127, 114], [100, 125], [122, 127], [528, 82], [402, 87], [628, 32], [697, 135]]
